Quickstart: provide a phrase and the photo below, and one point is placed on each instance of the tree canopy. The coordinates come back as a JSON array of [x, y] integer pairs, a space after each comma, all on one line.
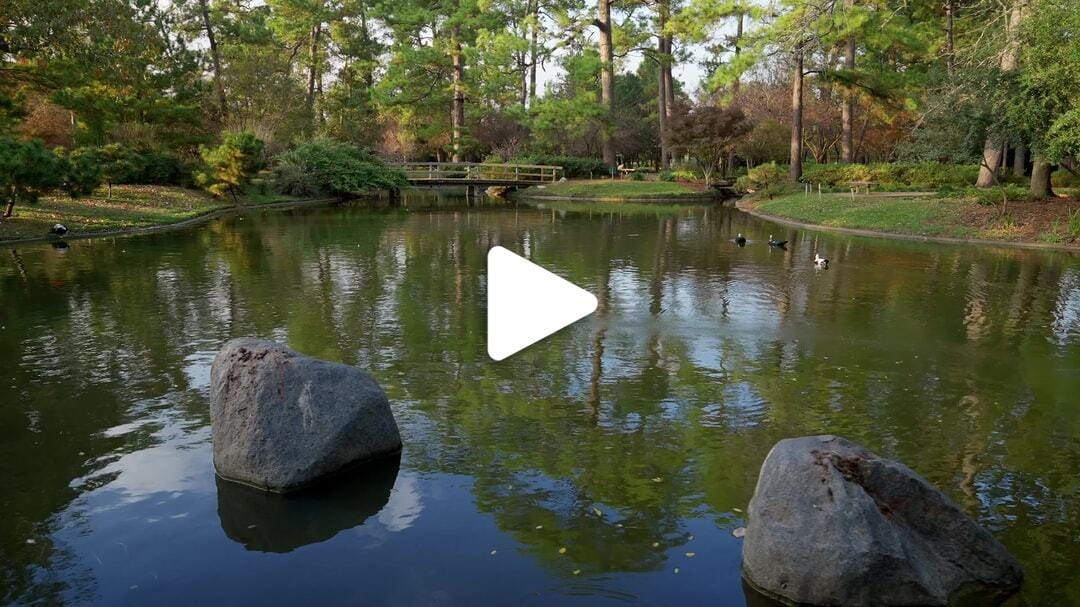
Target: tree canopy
[[972, 81]]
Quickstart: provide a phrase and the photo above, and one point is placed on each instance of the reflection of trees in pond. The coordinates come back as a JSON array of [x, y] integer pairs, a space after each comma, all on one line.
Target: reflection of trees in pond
[[703, 356]]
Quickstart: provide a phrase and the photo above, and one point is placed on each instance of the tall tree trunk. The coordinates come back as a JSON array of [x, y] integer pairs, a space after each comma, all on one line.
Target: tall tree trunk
[[1019, 166], [457, 113], [738, 47], [523, 65], [669, 89], [1040, 177], [669, 80], [534, 51], [950, 43], [661, 99], [991, 160], [847, 115], [735, 85], [607, 78], [795, 168], [369, 70], [215, 58], [1010, 57], [661, 96], [313, 65]]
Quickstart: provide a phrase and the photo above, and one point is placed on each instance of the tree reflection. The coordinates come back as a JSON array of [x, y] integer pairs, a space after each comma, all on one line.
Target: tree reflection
[[609, 436]]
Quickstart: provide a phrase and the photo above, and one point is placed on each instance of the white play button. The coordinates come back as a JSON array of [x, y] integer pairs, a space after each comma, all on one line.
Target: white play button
[[526, 303]]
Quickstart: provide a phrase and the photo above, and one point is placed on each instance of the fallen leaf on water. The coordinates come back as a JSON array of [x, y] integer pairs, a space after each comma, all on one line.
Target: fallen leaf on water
[[657, 480], [577, 571], [31, 541], [539, 526], [562, 550], [656, 544], [739, 531], [690, 555], [676, 570], [597, 511], [493, 552], [737, 509]]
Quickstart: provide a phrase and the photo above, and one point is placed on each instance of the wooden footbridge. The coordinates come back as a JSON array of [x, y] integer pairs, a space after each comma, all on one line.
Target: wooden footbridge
[[478, 174]]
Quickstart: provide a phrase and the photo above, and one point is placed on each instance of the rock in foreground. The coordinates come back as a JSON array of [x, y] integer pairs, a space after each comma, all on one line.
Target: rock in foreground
[[831, 523], [281, 420]]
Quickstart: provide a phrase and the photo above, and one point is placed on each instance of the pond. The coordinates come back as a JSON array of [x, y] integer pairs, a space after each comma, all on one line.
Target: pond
[[607, 464]]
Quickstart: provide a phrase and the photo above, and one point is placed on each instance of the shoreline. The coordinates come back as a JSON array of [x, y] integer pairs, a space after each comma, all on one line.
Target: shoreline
[[748, 208], [695, 197], [177, 225]]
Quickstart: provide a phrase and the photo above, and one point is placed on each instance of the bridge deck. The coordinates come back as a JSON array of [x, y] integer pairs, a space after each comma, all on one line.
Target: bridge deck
[[475, 173]]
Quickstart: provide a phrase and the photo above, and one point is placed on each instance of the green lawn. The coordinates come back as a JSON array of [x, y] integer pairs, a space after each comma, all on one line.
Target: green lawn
[[618, 189], [926, 216], [1052, 221], [131, 206], [617, 208]]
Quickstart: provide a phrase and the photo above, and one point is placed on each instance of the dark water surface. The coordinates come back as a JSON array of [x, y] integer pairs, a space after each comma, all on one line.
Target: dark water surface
[[607, 464]]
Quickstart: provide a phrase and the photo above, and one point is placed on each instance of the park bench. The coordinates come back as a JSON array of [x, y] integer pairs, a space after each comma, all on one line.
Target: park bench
[[856, 185]]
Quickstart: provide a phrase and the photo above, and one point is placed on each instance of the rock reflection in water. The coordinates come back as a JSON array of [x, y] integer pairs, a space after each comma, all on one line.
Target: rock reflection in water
[[272, 522]]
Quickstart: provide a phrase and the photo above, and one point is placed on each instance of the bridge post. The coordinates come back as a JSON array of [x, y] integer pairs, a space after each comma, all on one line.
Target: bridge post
[[395, 197]]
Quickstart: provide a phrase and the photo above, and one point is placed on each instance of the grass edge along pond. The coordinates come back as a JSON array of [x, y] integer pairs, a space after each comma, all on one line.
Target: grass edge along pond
[[609, 190], [1044, 222], [131, 207]]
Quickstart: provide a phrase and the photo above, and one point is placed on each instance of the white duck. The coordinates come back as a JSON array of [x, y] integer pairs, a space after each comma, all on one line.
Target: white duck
[[820, 261]]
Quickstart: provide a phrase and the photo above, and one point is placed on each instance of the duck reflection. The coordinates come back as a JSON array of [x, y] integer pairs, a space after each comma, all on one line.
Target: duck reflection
[[270, 522]]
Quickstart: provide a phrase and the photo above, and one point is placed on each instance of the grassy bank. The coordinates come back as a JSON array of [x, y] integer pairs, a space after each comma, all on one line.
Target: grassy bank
[[623, 189], [1055, 221], [131, 206]]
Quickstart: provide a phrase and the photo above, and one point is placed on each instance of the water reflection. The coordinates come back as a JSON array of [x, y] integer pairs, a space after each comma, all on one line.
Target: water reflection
[[268, 522], [629, 440]]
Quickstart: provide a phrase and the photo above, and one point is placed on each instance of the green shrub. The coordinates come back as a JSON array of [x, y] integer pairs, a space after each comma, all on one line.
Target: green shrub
[[27, 170], [686, 172], [1063, 178], [991, 196], [762, 178], [574, 167], [81, 170], [667, 176], [157, 168], [637, 176], [230, 166], [323, 167], [919, 175]]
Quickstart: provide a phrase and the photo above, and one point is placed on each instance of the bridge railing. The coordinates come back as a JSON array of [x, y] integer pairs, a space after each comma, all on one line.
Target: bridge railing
[[476, 171]]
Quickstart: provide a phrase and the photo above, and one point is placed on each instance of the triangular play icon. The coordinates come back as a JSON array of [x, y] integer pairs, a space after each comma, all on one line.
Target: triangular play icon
[[526, 303]]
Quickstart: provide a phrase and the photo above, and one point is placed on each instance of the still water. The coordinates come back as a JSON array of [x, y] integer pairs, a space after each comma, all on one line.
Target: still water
[[608, 464]]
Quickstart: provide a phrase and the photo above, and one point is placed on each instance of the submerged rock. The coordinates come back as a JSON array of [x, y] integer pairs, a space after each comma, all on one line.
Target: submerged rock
[[281, 420], [831, 523]]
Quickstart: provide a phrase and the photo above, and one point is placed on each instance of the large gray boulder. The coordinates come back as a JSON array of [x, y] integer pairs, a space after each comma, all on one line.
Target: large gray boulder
[[281, 420], [831, 523]]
